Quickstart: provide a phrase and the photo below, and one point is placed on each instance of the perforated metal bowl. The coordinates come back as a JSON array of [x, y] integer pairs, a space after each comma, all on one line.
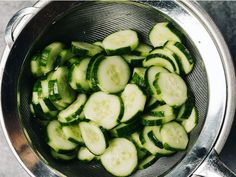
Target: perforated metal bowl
[[212, 80]]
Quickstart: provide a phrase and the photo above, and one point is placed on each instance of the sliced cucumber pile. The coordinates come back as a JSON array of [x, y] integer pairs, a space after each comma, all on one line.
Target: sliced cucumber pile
[[119, 101]]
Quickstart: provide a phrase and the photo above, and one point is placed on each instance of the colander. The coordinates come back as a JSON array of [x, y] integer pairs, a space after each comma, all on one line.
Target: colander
[[212, 80]]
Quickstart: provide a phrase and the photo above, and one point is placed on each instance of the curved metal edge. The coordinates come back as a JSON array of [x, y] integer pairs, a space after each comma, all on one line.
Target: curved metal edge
[[22, 18], [212, 165], [229, 72], [9, 37], [7, 138]]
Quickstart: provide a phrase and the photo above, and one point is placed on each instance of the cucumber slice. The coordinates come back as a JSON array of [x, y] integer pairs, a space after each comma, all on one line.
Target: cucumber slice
[[186, 109], [93, 137], [190, 123], [98, 43], [168, 54], [72, 112], [90, 74], [171, 88], [183, 55], [73, 134], [155, 136], [138, 77], [163, 32], [120, 158], [111, 74], [104, 109], [63, 57], [56, 138], [136, 140], [85, 155], [134, 60], [147, 162], [49, 56], [150, 146], [174, 136], [40, 108], [142, 152], [152, 103], [72, 61], [85, 49], [149, 120], [121, 42], [134, 102], [63, 156], [165, 111], [125, 129], [60, 93], [35, 66], [142, 50], [150, 78], [159, 60], [45, 93], [77, 76]]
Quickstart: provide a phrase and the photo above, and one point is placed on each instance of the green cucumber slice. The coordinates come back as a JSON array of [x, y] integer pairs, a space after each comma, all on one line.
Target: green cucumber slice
[[93, 137], [72, 112], [120, 158], [171, 88], [121, 42], [85, 49], [77, 76], [163, 32], [104, 109], [85, 155], [174, 136], [56, 138], [134, 102], [182, 54], [111, 74]]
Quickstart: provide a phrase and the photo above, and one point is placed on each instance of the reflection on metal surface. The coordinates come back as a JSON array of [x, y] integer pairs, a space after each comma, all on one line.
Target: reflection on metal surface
[[212, 68]]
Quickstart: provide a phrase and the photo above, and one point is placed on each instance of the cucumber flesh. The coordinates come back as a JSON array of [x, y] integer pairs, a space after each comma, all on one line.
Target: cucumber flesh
[[150, 78], [77, 76], [72, 112], [190, 123], [120, 158], [57, 139], [73, 134], [63, 156], [150, 146], [112, 74], [121, 42], [182, 54], [104, 109], [85, 155], [171, 88], [93, 137], [134, 102], [142, 50], [85, 49], [49, 56], [174, 136], [163, 32], [60, 92]]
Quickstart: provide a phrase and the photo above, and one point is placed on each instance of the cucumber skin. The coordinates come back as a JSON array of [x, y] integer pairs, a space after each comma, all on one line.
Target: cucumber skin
[[120, 51], [153, 138], [90, 75], [127, 130]]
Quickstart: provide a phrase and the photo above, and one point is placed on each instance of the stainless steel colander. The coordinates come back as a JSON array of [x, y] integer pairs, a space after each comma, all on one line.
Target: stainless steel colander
[[212, 80]]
